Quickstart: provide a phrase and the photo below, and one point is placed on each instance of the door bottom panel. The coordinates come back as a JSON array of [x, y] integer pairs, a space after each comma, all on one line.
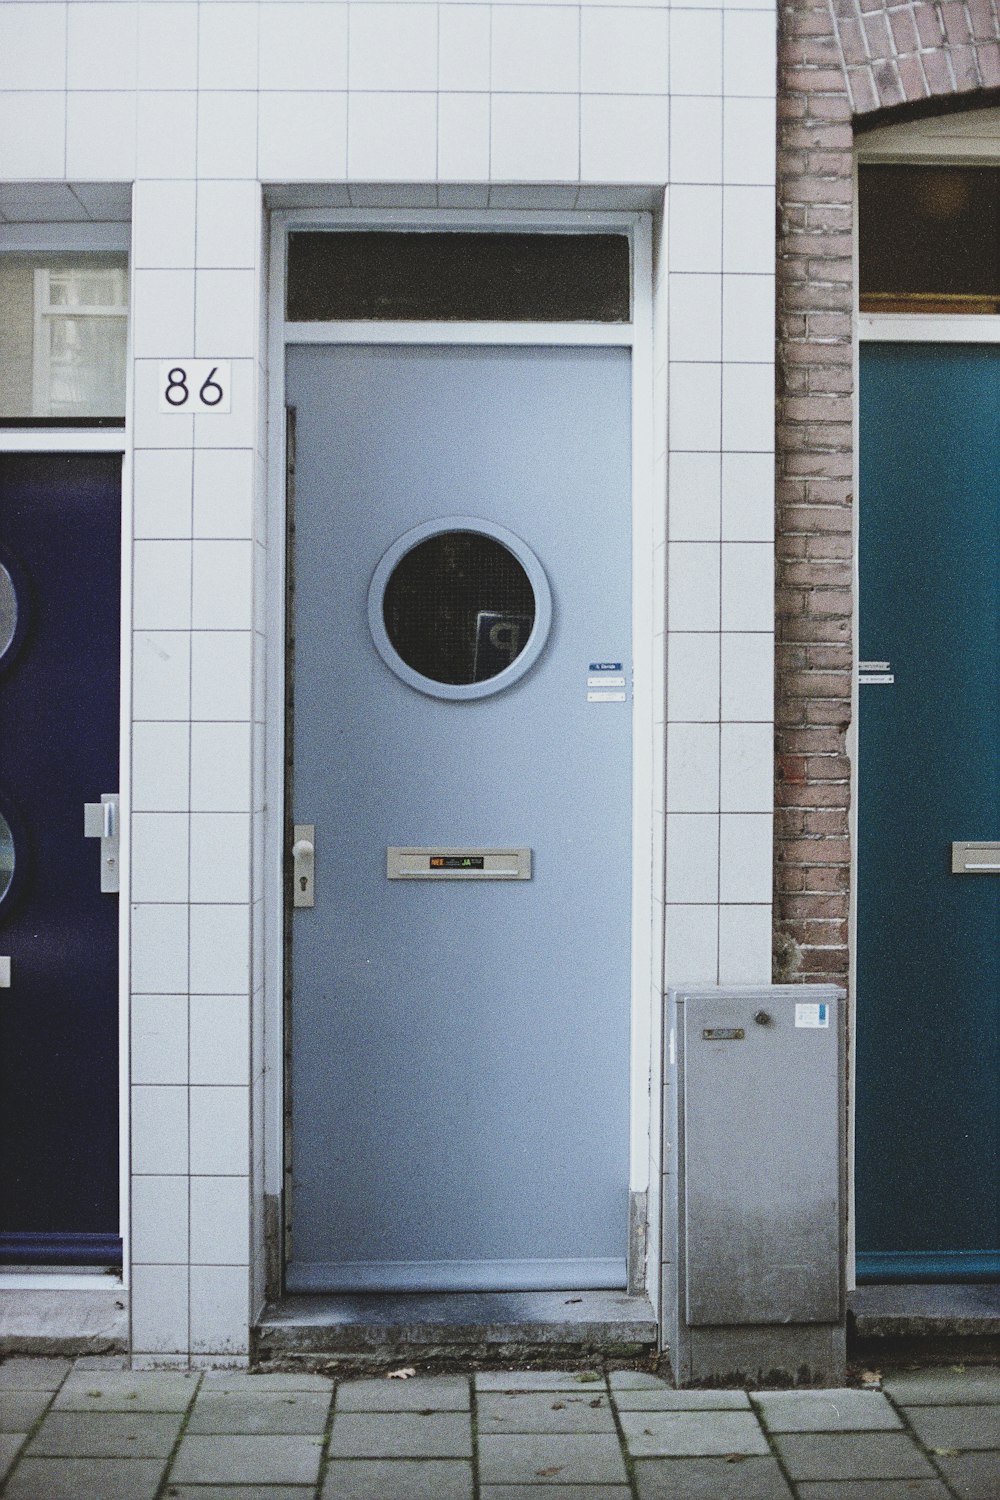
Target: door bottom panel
[[873, 1266], [457, 1276], [26, 1249]]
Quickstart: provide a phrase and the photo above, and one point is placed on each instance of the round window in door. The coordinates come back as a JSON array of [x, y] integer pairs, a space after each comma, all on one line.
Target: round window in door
[[6, 858], [8, 611], [459, 608]]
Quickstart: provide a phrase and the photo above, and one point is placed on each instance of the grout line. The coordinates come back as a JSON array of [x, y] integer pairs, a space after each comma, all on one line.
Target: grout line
[[33, 1430], [474, 1426], [324, 1457], [161, 1488], [631, 1467], [924, 1449]]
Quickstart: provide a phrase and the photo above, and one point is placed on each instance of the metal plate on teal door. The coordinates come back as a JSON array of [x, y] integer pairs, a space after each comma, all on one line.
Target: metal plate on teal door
[[60, 549], [460, 1045], [928, 1002]]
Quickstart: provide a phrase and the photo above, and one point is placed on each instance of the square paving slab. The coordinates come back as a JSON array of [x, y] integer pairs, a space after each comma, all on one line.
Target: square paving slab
[[84, 1479], [554, 1492], [826, 1411], [559, 1458], [243, 1492], [965, 1385], [403, 1434], [243, 1380], [10, 1446], [260, 1411], [710, 1479], [665, 1399], [691, 1434], [538, 1380], [125, 1390], [956, 1426], [435, 1393], [875, 1489], [636, 1380], [974, 1476], [33, 1374], [112, 1434], [851, 1455], [20, 1410], [398, 1479], [286, 1459], [544, 1411]]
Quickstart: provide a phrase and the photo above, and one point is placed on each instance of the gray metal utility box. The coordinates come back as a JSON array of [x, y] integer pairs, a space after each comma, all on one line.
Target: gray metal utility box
[[754, 1198]]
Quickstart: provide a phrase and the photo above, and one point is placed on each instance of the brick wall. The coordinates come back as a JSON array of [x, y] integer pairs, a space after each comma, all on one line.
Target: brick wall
[[839, 62], [814, 498]]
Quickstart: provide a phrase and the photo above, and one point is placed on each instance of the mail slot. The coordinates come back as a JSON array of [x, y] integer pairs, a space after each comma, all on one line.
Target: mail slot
[[975, 859], [436, 863]]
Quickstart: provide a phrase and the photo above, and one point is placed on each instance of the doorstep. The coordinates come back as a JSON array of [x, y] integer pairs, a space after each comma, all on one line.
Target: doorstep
[[372, 1330], [932, 1320]]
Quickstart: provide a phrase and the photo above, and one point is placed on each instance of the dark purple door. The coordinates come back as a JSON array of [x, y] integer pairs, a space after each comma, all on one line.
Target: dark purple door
[[60, 557]]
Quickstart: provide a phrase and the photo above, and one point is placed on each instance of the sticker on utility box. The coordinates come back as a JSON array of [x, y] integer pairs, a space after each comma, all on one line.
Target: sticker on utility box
[[812, 1014]]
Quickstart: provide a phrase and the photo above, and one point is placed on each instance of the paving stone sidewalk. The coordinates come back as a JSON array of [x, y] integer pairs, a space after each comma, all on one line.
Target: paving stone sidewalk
[[92, 1430]]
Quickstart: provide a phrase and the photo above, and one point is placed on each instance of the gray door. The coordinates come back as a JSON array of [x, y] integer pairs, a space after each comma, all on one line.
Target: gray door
[[461, 608]]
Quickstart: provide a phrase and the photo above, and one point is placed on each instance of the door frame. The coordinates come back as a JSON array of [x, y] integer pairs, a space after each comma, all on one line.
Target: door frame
[[647, 637], [910, 143], [36, 239]]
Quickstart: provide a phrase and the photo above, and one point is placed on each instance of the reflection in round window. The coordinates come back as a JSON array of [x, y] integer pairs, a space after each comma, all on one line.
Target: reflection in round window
[[6, 856], [8, 610], [459, 607]]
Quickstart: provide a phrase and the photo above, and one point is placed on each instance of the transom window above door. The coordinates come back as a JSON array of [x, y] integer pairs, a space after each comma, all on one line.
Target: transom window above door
[[63, 331], [929, 239], [454, 276]]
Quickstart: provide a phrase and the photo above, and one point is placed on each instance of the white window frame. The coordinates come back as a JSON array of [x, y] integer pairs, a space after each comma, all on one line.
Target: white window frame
[[44, 314], [647, 622]]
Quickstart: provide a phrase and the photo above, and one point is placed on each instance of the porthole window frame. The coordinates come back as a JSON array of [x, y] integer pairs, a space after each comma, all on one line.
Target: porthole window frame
[[464, 691], [10, 652], [18, 834]]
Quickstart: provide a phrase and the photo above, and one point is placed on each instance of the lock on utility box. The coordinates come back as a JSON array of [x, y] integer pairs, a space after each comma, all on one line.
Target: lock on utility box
[[754, 1202]]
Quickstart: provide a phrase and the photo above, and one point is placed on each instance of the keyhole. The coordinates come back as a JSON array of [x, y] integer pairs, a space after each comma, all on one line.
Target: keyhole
[[303, 882]]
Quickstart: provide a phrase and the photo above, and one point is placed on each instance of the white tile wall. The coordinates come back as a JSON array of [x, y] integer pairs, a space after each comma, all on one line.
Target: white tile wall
[[168, 45], [401, 102], [160, 1220], [160, 767], [159, 1036], [32, 46]]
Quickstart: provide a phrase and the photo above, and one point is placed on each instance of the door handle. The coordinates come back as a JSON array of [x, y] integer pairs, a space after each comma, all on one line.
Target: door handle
[[969, 858], [101, 821], [4, 973], [304, 865]]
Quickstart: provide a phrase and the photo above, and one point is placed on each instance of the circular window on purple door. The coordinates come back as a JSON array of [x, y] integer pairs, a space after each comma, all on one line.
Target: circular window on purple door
[[6, 857], [8, 611]]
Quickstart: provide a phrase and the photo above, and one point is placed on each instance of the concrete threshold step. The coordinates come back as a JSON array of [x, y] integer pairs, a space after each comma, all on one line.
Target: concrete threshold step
[[374, 1330], [946, 1317]]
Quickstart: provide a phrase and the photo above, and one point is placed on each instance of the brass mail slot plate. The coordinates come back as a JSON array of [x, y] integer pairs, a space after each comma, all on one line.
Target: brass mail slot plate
[[437, 863], [975, 858], [723, 1034]]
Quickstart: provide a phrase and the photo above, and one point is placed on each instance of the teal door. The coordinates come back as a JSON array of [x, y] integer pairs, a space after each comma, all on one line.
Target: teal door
[[928, 982]]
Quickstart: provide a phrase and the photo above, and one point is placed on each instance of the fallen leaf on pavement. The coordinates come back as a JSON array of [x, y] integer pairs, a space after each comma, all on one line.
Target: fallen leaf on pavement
[[552, 1469]]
